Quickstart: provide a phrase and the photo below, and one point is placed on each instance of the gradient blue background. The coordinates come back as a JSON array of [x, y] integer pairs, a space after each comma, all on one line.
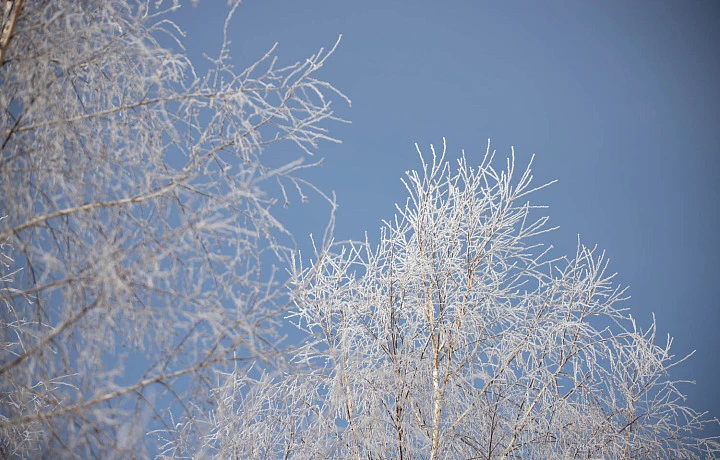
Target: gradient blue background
[[619, 100]]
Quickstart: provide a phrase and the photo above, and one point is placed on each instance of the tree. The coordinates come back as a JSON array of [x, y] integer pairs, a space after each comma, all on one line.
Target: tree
[[137, 235], [458, 337]]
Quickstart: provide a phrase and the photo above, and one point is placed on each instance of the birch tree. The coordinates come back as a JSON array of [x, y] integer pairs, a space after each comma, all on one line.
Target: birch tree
[[137, 239], [458, 336]]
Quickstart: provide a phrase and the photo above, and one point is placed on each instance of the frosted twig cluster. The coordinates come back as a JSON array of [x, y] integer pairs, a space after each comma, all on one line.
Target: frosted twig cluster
[[458, 337], [138, 241]]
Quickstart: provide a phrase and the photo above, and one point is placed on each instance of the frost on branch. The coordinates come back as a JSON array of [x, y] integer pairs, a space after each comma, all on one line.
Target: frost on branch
[[457, 337], [138, 207]]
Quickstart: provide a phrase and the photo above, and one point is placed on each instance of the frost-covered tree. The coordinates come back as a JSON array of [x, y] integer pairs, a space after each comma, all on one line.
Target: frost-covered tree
[[458, 337], [137, 239]]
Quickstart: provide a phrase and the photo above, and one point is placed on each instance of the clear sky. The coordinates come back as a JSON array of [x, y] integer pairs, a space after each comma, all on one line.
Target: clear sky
[[619, 100]]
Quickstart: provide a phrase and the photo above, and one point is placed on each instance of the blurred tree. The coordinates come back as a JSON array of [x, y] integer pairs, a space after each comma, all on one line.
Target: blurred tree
[[137, 235]]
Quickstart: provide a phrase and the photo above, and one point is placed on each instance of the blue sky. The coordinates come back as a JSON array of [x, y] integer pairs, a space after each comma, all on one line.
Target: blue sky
[[620, 102]]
